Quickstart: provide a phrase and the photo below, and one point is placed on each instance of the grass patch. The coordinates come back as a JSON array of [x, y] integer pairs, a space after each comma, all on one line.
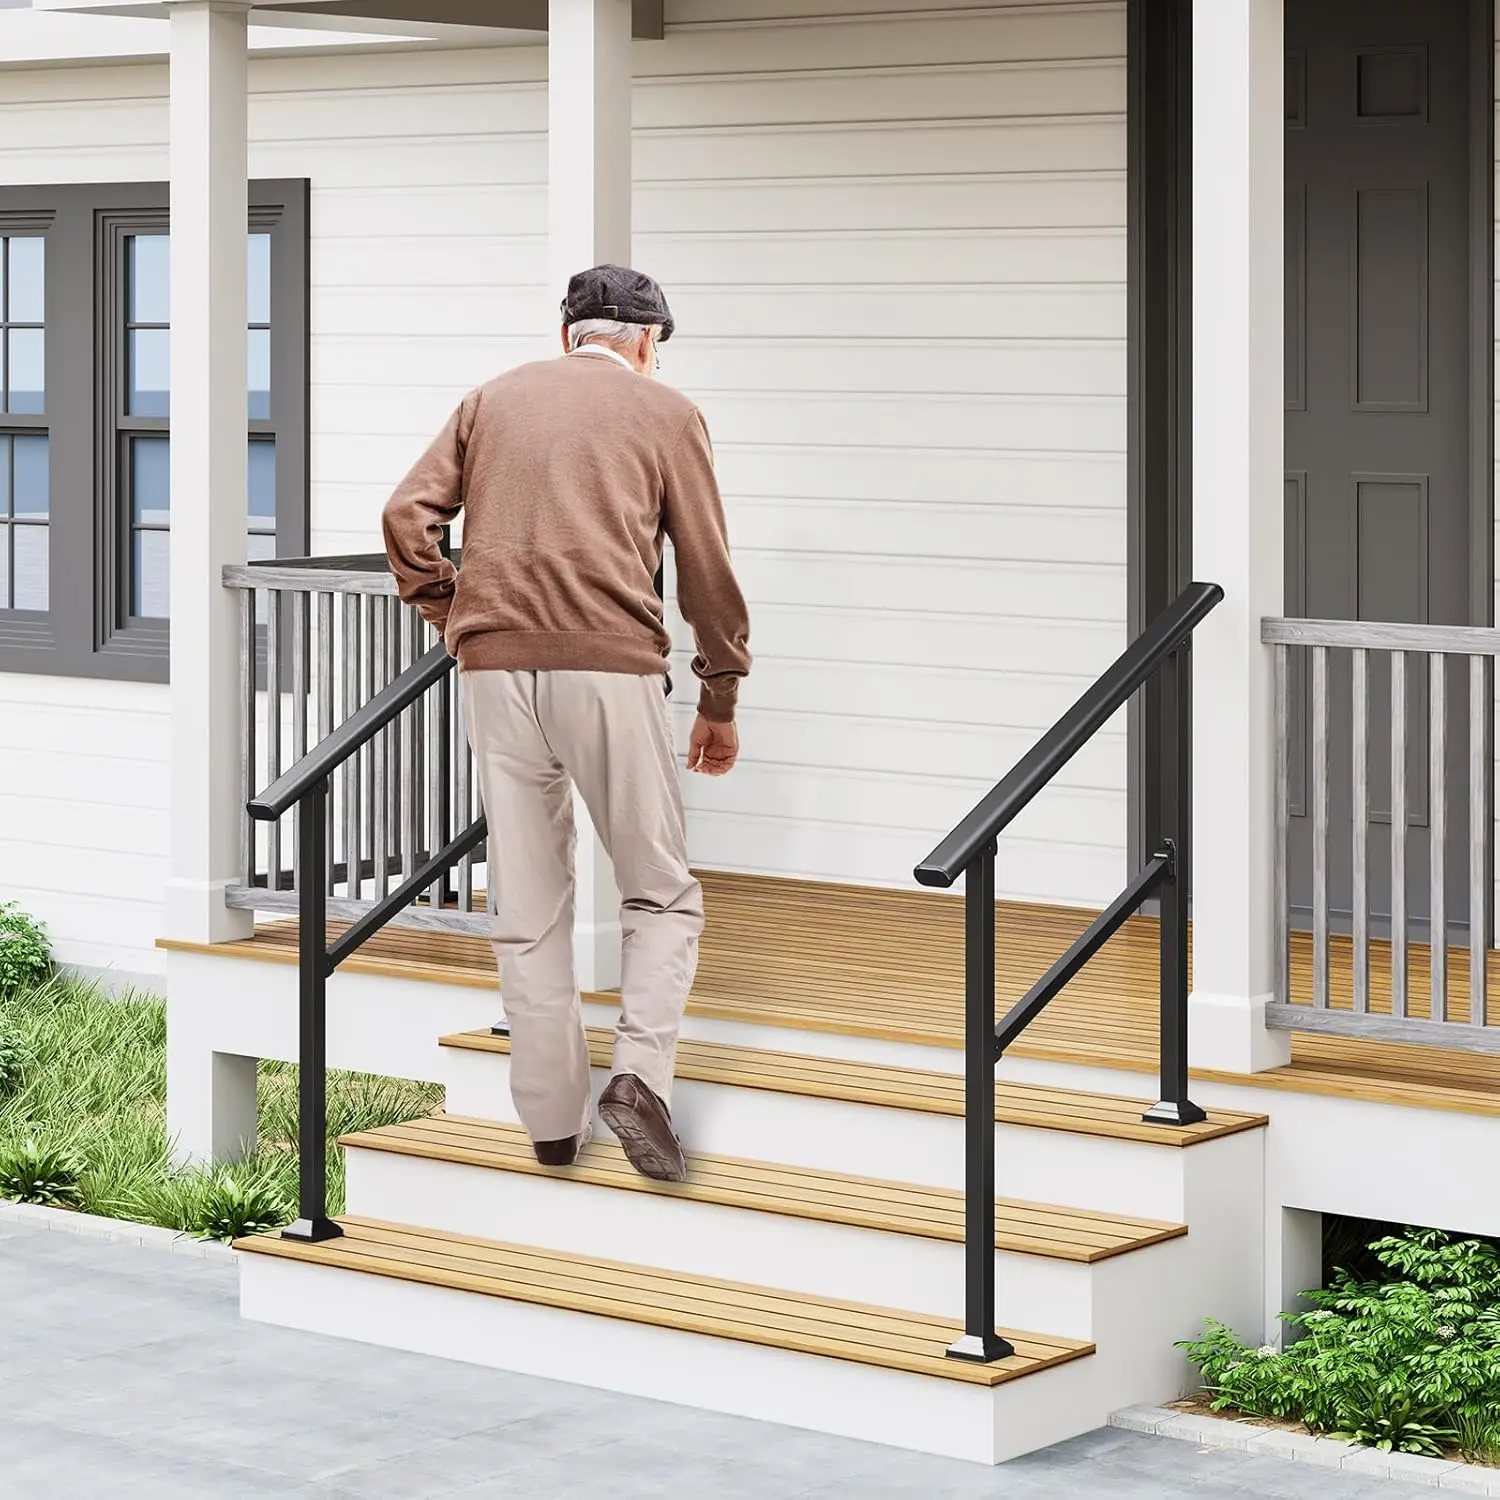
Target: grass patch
[[83, 1108]]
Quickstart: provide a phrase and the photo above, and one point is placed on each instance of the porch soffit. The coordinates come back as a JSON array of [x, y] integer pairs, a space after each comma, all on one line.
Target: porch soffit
[[425, 17]]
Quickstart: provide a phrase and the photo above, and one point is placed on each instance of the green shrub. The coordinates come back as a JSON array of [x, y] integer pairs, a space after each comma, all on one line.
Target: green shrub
[[15, 1055], [1408, 1363], [35, 1172], [229, 1209], [24, 957]]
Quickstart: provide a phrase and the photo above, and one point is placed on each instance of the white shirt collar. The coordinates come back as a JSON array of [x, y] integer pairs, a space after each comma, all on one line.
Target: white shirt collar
[[605, 352]]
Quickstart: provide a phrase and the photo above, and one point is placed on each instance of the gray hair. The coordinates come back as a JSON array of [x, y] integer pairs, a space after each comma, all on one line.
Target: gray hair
[[608, 331]]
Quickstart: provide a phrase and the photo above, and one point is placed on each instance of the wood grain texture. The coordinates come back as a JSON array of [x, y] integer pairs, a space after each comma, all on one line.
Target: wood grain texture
[[889, 965], [1024, 1104], [911, 1342], [1067, 1234]]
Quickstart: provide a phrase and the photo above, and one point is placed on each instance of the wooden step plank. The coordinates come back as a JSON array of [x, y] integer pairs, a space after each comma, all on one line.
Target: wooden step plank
[[882, 1337], [906, 1088], [899, 1208]]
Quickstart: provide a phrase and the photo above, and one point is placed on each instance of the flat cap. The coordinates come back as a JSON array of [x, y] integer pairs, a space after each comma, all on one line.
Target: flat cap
[[619, 294]]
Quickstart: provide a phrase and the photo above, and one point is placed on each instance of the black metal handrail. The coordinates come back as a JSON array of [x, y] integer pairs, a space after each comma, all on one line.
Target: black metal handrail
[[306, 786], [970, 851]]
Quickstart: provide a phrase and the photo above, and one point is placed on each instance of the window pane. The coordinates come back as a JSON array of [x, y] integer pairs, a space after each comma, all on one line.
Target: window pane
[[150, 482], [262, 488], [26, 302], [258, 282], [30, 489], [149, 380], [26, 366], [148, 297], [150, 581], [30, 546], [259, 374]]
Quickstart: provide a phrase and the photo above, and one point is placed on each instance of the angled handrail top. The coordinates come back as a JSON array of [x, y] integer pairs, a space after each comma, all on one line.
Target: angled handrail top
[[356, 731], [1098, 704]]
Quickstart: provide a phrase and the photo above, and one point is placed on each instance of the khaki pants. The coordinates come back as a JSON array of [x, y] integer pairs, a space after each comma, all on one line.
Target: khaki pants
[[536, 734]]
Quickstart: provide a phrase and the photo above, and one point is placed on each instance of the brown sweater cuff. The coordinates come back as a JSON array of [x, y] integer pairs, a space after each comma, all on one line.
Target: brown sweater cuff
[[717, 698]]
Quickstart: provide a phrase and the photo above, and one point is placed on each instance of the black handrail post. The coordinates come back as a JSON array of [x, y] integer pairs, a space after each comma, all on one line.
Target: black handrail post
[[1176, 708], [312, 1222], [980, 1343]]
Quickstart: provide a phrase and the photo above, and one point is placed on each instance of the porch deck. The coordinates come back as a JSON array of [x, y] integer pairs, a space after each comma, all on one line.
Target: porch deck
[[888, 964]]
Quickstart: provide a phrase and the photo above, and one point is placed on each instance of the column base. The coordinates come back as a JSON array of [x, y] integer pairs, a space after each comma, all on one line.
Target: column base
[[195, 912], [1228, 1033], [211, 1104], [596, 955]]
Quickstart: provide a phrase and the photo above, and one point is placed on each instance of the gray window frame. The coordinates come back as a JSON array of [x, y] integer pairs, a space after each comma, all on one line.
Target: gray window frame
[[87, 631]]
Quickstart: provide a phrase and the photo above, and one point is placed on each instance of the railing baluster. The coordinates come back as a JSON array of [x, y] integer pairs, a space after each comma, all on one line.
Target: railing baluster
[[327, 657], [301, 606], [1479, 837], [365, 780], [1361, 727], [273, 723], [1398, 834], [378, 756], [437, 770], [1320, 825], [980, 1343], [411, 758], [1281, 902], [249, 776], [351, 766], [1437, 830], [463, 795]]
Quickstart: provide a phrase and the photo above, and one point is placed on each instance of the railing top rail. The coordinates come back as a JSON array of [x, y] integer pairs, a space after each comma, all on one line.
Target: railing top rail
[[357, 730], [1005, 802], [314, 575], [1454, 640]]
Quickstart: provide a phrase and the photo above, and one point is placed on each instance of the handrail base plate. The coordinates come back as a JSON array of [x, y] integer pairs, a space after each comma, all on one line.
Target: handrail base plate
[[981, 1349], [312, 1231], [1168, 1113]]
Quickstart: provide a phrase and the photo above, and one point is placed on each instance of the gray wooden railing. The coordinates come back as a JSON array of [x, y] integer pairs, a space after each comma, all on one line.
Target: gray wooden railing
[[1366, 1010], [318, 638]]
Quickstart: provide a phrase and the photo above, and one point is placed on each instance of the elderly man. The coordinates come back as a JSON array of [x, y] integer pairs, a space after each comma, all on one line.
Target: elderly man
[[569, 472]]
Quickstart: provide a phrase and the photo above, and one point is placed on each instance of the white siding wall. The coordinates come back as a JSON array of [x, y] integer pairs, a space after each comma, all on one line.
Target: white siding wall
[[896, 249]]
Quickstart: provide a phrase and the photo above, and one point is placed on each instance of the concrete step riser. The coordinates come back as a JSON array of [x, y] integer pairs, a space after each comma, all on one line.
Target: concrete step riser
[[767, 1249], [1037, 1165]]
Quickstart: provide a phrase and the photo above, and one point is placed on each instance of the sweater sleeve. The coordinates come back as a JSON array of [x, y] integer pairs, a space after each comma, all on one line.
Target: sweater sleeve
[[427, 500], [709, 596]]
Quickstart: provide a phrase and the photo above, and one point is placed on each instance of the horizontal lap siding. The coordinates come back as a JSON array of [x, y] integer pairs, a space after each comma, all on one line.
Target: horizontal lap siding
[[896, 248]]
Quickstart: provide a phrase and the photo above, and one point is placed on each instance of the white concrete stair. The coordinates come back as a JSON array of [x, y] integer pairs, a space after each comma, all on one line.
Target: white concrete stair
[[803, 1230]]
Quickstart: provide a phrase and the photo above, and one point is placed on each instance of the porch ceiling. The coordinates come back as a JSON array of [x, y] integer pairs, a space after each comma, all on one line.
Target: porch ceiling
[[485, 15]]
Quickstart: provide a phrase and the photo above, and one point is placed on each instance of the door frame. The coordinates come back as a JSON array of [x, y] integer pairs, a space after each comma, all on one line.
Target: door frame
[[1159, 506]]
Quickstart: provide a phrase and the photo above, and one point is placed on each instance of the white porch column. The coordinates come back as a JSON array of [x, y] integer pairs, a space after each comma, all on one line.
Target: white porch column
[[211, 1099], [588, 223], [1238, 143]]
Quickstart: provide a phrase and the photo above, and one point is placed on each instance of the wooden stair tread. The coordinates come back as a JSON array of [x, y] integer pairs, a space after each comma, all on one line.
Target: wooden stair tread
[[800, 1192], [910, 1342], [907, 1088]]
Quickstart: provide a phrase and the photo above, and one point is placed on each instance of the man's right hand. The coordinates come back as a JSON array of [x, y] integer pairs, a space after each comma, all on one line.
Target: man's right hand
[[713, 748]]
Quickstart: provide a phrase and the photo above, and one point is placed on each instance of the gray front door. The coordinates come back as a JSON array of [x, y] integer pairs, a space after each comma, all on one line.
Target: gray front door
[[1377, 395]]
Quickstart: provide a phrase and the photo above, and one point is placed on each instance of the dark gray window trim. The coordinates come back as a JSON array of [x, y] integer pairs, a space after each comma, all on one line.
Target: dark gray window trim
[[86, 634]]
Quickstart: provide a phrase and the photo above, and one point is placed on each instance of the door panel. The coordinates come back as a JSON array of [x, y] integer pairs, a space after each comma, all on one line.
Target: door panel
[[1377, 397]]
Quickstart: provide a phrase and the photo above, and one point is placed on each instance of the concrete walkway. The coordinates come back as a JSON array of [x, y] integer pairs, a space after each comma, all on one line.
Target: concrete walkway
[[126, 1372]]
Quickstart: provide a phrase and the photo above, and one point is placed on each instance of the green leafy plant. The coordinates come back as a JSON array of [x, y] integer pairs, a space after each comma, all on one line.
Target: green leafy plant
[[230, 1209], [24, 957], [15, 1055], [1409, 1362], [37, 1172]]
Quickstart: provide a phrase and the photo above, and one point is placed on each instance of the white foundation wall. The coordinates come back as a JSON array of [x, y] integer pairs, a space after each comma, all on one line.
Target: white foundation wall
[[896, 247]]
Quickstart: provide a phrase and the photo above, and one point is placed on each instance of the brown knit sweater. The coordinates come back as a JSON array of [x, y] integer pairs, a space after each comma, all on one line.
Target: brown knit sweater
[[568, 473]]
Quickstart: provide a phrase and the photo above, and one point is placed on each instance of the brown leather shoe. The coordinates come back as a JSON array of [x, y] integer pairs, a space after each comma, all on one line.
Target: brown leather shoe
[[644, 1127], [562, 1153]]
